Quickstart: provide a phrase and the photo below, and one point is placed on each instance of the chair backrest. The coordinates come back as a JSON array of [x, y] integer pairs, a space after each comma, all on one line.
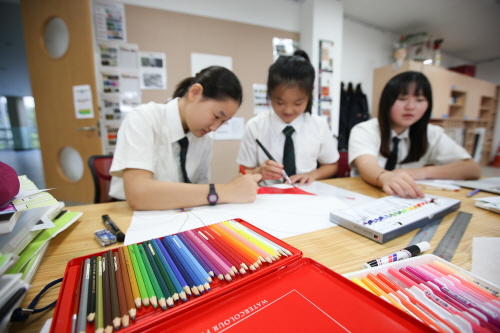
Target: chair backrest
[[344, 170], [99, 167]]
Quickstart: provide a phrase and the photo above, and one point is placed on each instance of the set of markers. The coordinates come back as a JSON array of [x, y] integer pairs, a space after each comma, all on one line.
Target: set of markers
[[118, 286], [436, 292]]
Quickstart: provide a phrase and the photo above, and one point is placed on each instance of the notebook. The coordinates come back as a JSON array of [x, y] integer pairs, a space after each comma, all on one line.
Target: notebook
[[491, 184]]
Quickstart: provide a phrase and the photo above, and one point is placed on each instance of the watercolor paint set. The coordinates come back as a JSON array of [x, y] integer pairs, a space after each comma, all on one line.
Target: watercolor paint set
[[387, 218], [288, 294]]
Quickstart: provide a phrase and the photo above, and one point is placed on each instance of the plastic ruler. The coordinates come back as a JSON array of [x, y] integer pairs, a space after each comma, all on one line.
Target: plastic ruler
[[447, 246]]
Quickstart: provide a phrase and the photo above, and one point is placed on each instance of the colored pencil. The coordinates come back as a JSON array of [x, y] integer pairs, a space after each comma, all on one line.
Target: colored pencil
[[201, 272], [196, 254], [211, 262], [265, 240], [177, 279], [157, 256], [249, 259], [264, 255], [185, 262], [99, 307], [193, 289], [239, 245], [76, 300], [223, 263], [113, 291], [106, 293], [158, 292], [129, 288], [258, 241], [120, 289], [81, 325], [145, 277], [161, 285], [92, 290], [234, 258], [212, 254], [128, 252]]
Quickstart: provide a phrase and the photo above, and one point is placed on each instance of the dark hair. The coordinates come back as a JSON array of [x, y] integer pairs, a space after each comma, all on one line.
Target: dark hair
[[399, 85], [218, 83], [292, 71]]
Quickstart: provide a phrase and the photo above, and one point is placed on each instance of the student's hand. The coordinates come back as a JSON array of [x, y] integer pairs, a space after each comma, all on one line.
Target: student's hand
[[400, 183], [305, 178], [242, 189], [271, 170]]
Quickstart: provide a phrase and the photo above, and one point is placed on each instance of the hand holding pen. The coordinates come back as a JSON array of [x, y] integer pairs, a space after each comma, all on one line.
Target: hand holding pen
[[272, 168]]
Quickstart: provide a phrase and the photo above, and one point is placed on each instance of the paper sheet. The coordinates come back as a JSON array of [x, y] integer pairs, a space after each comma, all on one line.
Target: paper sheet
[[281, 215], [484, 258]]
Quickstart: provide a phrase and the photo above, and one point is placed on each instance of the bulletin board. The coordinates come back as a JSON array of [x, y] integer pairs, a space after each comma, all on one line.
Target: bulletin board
[[179, 35]]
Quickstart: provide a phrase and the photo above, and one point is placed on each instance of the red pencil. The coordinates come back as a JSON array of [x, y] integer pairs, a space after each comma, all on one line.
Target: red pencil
[[242, 170]]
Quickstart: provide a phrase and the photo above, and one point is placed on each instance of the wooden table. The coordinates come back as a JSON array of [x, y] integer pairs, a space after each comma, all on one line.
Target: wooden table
[[337, 248]]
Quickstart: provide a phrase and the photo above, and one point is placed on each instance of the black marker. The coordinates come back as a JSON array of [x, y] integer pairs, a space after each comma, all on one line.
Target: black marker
[[120, 236]]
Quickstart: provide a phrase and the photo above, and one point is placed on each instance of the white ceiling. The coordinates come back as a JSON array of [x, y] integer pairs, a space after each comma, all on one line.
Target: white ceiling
[[470, 28]]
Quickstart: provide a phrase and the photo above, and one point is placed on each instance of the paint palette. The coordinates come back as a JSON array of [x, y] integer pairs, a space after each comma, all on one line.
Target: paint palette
[[390, 217]]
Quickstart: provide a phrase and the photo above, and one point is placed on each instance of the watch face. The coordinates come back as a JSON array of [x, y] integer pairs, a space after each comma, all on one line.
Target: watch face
[[212, 198]]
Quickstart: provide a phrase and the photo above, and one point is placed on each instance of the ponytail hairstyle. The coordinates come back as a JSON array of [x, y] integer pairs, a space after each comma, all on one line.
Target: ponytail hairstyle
[[291, 71], [401, 85], [218, 83]]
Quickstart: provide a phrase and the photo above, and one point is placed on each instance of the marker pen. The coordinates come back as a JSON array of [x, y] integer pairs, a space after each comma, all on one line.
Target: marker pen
[[120, 236], [405, 253]]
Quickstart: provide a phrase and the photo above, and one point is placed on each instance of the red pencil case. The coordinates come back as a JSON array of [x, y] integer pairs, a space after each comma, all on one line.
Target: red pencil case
[[289, 295]]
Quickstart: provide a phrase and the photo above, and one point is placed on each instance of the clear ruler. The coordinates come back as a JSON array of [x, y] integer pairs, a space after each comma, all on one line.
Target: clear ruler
[[447, 246], [426, 232]]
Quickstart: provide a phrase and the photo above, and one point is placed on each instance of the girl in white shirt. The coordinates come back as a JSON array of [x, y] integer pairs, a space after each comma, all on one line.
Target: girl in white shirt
[[289, 88], [147, 164], [423, 151]]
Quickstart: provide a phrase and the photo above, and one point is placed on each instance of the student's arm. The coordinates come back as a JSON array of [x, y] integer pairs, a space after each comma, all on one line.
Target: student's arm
[[323, 172], [392, 182], [465, 169], [143, 192]]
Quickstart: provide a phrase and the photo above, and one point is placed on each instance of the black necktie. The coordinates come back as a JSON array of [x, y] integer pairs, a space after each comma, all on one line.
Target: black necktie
[[289, 152], [184, 143], [393, 159]]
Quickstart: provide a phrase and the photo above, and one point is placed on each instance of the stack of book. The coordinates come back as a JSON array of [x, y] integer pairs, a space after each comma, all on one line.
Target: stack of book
[[27, 224]]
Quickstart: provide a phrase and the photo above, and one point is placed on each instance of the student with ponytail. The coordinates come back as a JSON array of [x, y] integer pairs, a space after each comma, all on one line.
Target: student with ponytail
[[153, 166]]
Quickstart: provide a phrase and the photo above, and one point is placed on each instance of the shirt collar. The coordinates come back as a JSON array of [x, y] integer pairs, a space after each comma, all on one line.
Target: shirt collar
[[279, 124], [402, 136], [174, 120]]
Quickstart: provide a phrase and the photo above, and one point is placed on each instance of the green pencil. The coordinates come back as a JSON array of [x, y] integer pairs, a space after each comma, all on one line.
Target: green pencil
[[145, 277], [154, 280], [99, 318], [129, 251]]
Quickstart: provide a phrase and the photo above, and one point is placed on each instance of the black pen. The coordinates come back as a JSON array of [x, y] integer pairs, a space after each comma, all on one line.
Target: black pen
[[272, 159], [120, 236]]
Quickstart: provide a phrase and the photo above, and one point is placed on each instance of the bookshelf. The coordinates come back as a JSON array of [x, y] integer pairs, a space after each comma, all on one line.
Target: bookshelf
[[464, 106]]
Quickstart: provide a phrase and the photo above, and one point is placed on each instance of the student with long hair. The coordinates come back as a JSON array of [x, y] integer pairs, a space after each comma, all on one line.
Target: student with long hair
[[400, 146], [290, 123], [162, 156]]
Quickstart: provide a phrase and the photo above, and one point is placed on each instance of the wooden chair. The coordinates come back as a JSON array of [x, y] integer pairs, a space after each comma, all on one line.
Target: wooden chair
[[99, 167]]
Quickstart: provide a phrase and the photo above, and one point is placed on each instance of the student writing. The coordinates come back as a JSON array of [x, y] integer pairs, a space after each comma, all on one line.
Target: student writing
[[400, 146], [153, 168], [290, 132]]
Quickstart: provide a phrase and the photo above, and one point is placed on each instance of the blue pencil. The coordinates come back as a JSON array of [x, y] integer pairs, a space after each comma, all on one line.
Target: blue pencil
[[203, 274], [175, 270], [193, 250], [177, 291], [186, 262], [181, 268]]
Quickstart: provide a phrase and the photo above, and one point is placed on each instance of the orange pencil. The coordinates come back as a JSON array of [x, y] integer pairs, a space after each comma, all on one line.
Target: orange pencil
[[223, 250], [239, 242], [252, 258], [239, 258], [133, 281], [263, 255]]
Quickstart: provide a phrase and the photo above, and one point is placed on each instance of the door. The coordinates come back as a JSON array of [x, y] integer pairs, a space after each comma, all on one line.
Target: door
[[65, 141]]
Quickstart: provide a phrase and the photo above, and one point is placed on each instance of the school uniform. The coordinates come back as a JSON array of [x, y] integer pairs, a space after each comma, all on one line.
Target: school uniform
[[148, 140], [312, 138], [365, 140]]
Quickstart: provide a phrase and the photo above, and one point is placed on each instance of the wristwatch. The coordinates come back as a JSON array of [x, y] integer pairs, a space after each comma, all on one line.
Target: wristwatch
[[212, 196]]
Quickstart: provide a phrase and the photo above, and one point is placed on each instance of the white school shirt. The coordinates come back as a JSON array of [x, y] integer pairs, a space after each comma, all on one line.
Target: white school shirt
[[365, 139], [312, 139], [147, 139]]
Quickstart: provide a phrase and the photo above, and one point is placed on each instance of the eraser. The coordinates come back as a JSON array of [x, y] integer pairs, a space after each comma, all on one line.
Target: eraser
[[104, 237]]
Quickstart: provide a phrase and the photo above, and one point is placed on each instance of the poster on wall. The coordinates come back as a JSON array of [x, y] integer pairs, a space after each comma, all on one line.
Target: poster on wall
[[153, 70], [325, 80], [82, 100], [110, 21], [201, 61], [260, 101], [119, 55]]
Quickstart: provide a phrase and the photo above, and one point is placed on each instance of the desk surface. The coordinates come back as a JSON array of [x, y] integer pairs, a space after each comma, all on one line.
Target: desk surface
[[337, 248]]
